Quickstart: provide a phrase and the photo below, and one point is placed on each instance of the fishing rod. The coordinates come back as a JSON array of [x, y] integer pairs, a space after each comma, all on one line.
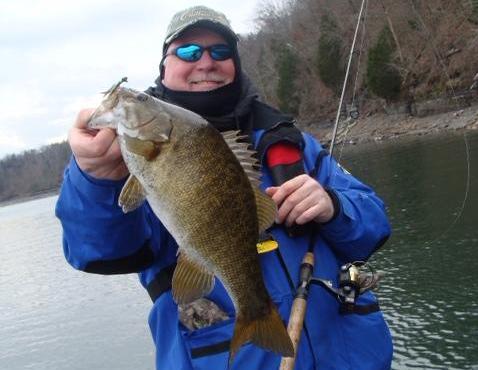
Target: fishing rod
[[344, 86], [299, 306], [352, 283]]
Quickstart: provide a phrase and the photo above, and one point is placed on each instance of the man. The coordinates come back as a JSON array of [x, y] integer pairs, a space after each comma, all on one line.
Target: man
[[345, 221]]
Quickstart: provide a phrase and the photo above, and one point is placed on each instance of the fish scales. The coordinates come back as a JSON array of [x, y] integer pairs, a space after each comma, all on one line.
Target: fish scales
[[200, 191], [204, 177]]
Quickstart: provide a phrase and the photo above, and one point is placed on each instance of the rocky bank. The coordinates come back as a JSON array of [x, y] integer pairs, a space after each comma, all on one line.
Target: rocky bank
[[383, 126]]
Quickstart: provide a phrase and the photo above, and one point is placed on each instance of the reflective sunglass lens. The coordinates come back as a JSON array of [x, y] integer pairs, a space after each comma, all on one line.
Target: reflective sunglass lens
[[190, 53], [193, 52], [220, 52]]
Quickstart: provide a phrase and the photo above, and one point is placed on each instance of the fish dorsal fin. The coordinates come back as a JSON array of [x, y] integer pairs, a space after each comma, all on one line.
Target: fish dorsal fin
[[266, 208], [132, 195], [245, 155], [191, 281]]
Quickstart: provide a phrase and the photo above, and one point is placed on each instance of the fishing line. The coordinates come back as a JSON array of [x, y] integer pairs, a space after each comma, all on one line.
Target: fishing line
[[347, 127], [364, 30], [344, 87], [465, 139]]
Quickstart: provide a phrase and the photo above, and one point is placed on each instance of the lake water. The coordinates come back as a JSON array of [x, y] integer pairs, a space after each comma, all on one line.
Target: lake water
[[430, 291], [53, 317]]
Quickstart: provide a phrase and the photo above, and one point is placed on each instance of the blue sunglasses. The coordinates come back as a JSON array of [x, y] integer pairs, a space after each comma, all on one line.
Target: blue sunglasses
[[193, 52]]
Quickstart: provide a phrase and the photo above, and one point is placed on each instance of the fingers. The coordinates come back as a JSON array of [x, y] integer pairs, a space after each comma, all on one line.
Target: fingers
[[79, 136], [321, 211], [271, 190], [308, 215], [287, 188], [114, 169], [92, 144], [289, 194], [295, 204], [109, 165], [103, 142], [301, 200], [83, 117], [303, 211], [96, 151]]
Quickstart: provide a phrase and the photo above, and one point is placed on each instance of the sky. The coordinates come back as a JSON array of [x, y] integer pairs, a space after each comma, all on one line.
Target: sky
[[57, 56]]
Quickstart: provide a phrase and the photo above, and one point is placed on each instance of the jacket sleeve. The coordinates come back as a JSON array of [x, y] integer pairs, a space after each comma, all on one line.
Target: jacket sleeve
[[360, 225], [97, 236]]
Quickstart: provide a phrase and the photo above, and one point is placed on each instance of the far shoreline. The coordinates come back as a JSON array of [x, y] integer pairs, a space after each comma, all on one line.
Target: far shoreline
[[377, 128], [29, 197]]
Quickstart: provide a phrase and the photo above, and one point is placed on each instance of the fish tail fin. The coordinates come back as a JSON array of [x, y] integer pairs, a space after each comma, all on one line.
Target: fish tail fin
[[268, 332]]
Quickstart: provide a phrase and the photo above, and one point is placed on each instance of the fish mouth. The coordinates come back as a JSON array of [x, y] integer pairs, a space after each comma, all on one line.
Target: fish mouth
[[134, 131], [140, 125], [158, 134]]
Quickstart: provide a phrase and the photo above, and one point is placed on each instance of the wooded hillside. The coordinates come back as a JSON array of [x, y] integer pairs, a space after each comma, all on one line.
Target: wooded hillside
[[411, 51], [33, 172], [407, 51]]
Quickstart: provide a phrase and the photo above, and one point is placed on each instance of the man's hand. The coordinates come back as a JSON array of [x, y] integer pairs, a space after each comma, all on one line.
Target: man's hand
[[301, 200], [97, 152]]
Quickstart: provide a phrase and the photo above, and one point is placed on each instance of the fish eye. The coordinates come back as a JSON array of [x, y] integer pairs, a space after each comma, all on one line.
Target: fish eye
[[142, 97]]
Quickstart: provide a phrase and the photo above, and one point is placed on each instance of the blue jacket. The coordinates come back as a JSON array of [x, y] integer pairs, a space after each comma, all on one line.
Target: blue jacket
[[98, 237]]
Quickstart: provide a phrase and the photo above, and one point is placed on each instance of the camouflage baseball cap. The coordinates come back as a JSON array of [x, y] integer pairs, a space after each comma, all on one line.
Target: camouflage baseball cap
[[199, 16]]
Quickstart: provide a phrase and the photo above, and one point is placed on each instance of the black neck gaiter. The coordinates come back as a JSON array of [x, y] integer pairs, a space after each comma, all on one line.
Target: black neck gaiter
[[226, 108], [212, 103]]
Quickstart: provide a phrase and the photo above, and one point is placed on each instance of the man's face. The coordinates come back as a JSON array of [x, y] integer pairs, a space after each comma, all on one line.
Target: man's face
[[205, 74]]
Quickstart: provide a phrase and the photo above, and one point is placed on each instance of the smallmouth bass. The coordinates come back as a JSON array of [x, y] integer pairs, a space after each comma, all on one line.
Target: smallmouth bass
[[203, 186]]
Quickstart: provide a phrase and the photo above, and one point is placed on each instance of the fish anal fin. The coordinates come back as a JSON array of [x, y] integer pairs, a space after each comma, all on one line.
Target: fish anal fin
[[132, 195], [266, 209], [191, 281], [268, 332]]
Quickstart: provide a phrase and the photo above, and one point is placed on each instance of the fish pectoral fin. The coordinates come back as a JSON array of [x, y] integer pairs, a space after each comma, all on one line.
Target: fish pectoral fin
[[148, 149], [191, 281], [132, 195], [266, 209]]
